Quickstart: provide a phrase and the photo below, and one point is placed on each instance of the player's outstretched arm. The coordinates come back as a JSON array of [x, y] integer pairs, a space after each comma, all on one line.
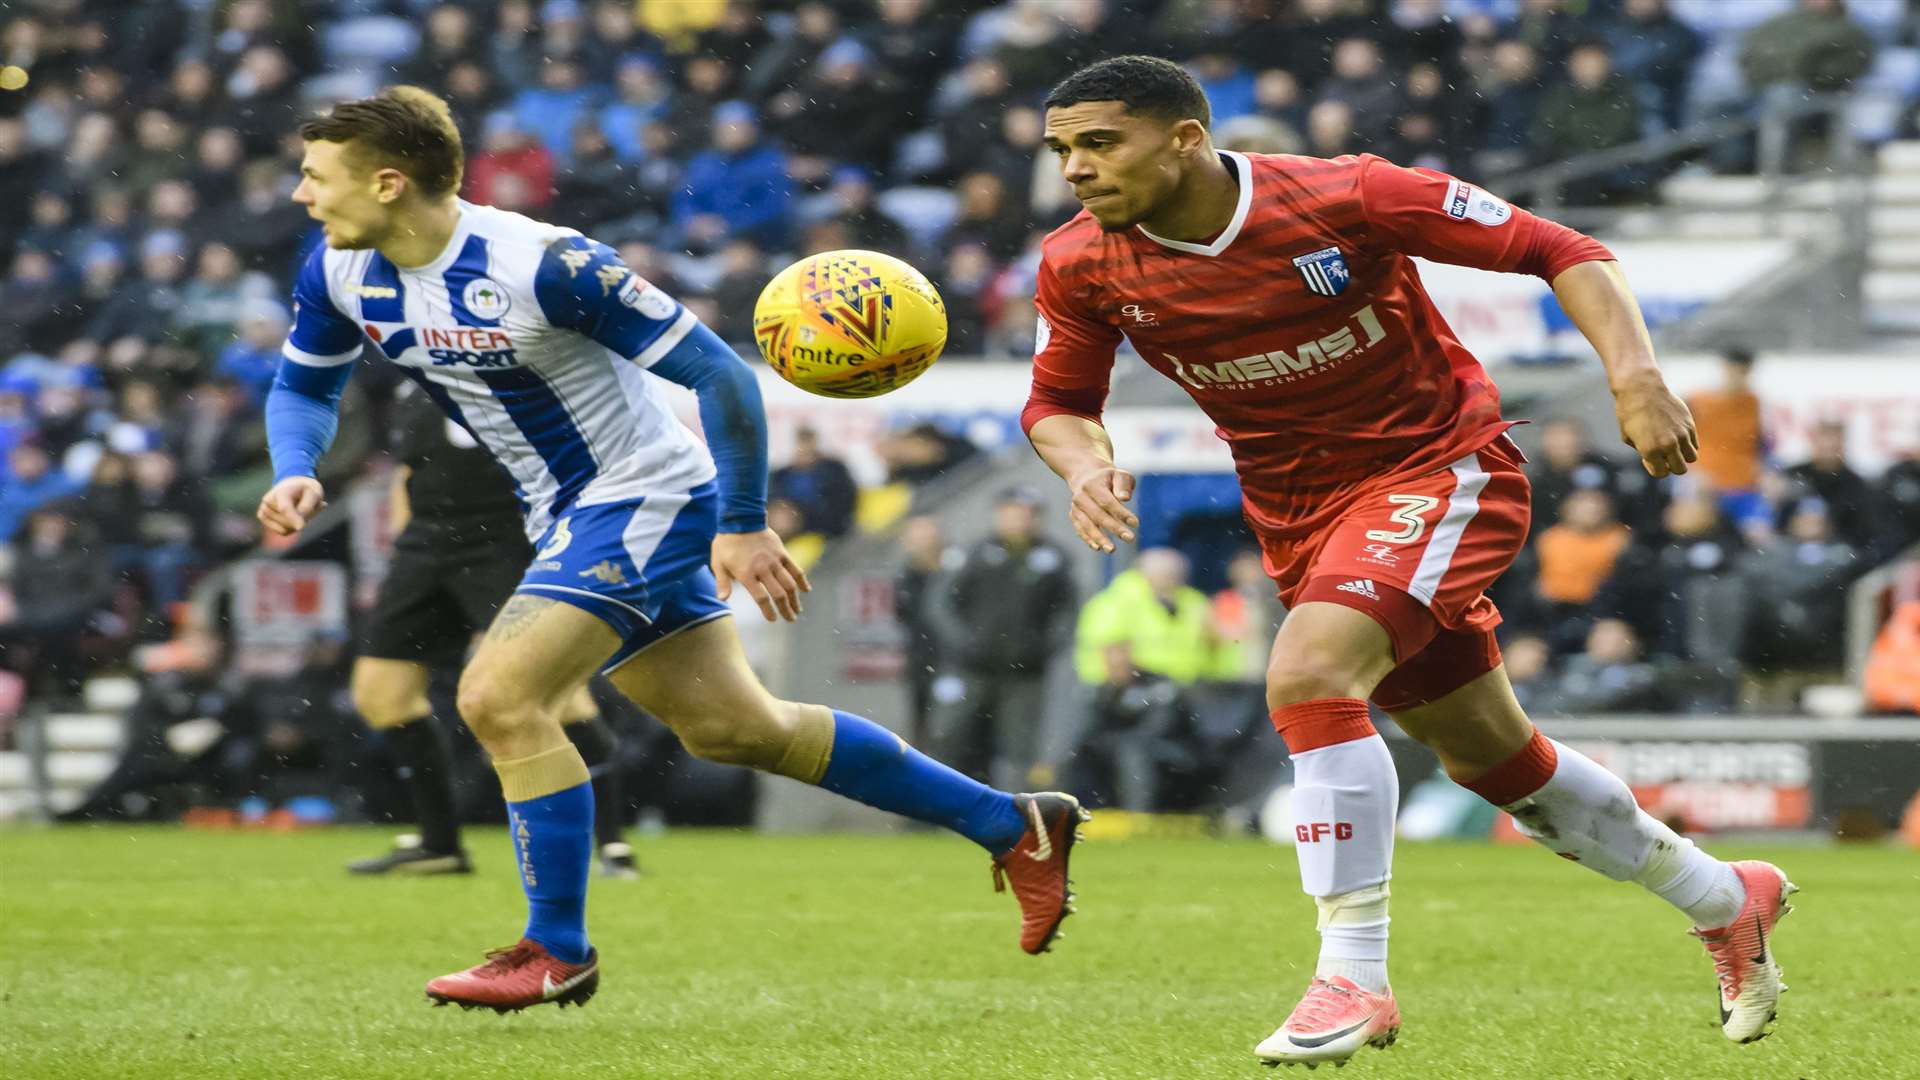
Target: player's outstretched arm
[[1655, 422], [302, 416], [303, 407], [731, 413], [582, 286], [1430, 214], [1072, 363], [1079, 452]]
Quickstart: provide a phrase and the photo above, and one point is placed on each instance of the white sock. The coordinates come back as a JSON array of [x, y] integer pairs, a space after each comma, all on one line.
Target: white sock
[[1345, 798], [1588, 815], [1704, 887], [1353, 938]]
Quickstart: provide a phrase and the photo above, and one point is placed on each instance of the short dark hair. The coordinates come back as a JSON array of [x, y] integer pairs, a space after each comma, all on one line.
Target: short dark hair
[[1147, 85], [402, 127]]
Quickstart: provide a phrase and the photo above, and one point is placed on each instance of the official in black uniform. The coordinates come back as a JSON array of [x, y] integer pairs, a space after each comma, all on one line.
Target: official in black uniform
[[459, 553]]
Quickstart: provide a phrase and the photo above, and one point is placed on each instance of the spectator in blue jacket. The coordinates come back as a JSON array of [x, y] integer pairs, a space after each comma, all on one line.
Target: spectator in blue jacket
[[32, 483], [17, 391], [738, 189], [254, 356], [552, 109], [643, 96]]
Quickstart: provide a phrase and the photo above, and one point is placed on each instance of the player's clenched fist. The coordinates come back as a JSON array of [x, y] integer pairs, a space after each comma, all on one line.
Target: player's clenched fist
[[286, 506], [1099, 507], [1658, 425]]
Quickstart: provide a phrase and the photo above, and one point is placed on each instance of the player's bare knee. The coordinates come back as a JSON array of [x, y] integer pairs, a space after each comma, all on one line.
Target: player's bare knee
[[494, 710], [722, 743], [1468, 751], [375, 703], [385, 700], [1310, 675], [752, 737]]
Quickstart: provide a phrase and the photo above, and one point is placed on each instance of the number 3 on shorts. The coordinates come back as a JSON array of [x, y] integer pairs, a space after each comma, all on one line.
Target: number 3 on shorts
[[1408, 515]]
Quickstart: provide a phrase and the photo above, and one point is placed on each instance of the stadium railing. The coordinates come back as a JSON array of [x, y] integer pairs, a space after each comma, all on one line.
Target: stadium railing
[[1772, 125], [1824, 200]]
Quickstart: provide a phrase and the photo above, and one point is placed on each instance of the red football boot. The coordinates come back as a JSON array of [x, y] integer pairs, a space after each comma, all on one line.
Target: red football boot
[[1037, 866], [514, 978]]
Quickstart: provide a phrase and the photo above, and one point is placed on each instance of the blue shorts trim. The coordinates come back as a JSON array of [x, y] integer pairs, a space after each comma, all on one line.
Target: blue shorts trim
[[640, 565], [690, 602]]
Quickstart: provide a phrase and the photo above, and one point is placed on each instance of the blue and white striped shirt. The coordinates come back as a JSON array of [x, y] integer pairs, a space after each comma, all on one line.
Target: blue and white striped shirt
[[534, 338]]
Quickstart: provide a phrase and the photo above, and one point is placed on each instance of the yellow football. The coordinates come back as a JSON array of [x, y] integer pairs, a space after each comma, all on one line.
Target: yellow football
[[849, 324]]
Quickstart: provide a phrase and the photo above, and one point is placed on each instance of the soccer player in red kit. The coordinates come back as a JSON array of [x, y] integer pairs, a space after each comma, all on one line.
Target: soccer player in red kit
[[1280, 292]]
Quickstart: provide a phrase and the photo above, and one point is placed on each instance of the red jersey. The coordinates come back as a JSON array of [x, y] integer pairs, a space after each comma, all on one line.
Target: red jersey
[[1302, 330]]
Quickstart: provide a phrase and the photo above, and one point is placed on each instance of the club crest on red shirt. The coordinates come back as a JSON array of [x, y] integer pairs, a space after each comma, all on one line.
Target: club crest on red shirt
[[1325, 271]]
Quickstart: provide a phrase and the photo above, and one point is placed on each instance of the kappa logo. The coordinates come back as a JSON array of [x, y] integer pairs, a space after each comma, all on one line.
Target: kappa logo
[[607, 572], [575, 259], [611, 275], [1360, 587], [1139, 315]]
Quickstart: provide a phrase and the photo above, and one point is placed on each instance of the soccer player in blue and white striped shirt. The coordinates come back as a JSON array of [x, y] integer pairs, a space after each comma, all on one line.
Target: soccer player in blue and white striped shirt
[[548, 350]]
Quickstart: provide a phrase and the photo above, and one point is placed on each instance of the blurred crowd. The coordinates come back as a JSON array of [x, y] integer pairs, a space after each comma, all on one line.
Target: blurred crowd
[[147, 151], [1722, 588]]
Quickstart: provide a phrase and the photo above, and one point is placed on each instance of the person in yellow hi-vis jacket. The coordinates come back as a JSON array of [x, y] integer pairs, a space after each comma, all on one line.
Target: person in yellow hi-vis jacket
[[1147, 619]]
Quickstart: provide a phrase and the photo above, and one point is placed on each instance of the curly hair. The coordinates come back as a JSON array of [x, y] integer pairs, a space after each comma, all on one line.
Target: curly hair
[[1146, 85]]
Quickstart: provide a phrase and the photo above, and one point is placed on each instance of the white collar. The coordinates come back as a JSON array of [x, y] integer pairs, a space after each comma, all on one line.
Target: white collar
[[1245, 168]]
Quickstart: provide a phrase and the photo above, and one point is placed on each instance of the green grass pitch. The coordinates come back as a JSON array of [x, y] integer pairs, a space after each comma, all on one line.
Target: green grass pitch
[[164, 953]]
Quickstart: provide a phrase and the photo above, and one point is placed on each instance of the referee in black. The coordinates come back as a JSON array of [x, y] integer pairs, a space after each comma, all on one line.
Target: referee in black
[[460, 551]]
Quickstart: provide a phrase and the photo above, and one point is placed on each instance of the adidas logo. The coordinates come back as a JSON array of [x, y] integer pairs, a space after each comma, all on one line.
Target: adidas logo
[[1360, 587]]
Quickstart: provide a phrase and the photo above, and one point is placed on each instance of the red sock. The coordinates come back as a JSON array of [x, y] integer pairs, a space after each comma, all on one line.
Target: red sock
[[1310, 725], [1520, 775]]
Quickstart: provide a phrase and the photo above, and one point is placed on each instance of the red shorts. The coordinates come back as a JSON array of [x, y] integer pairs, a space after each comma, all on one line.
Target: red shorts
[[1417, 554]]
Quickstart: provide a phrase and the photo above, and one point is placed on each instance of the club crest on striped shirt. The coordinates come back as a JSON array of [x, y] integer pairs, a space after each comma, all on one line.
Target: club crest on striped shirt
[[1325, 271]]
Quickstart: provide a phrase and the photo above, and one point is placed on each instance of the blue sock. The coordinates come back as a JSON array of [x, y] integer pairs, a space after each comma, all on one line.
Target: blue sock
[[553, 843], [872, 765]]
